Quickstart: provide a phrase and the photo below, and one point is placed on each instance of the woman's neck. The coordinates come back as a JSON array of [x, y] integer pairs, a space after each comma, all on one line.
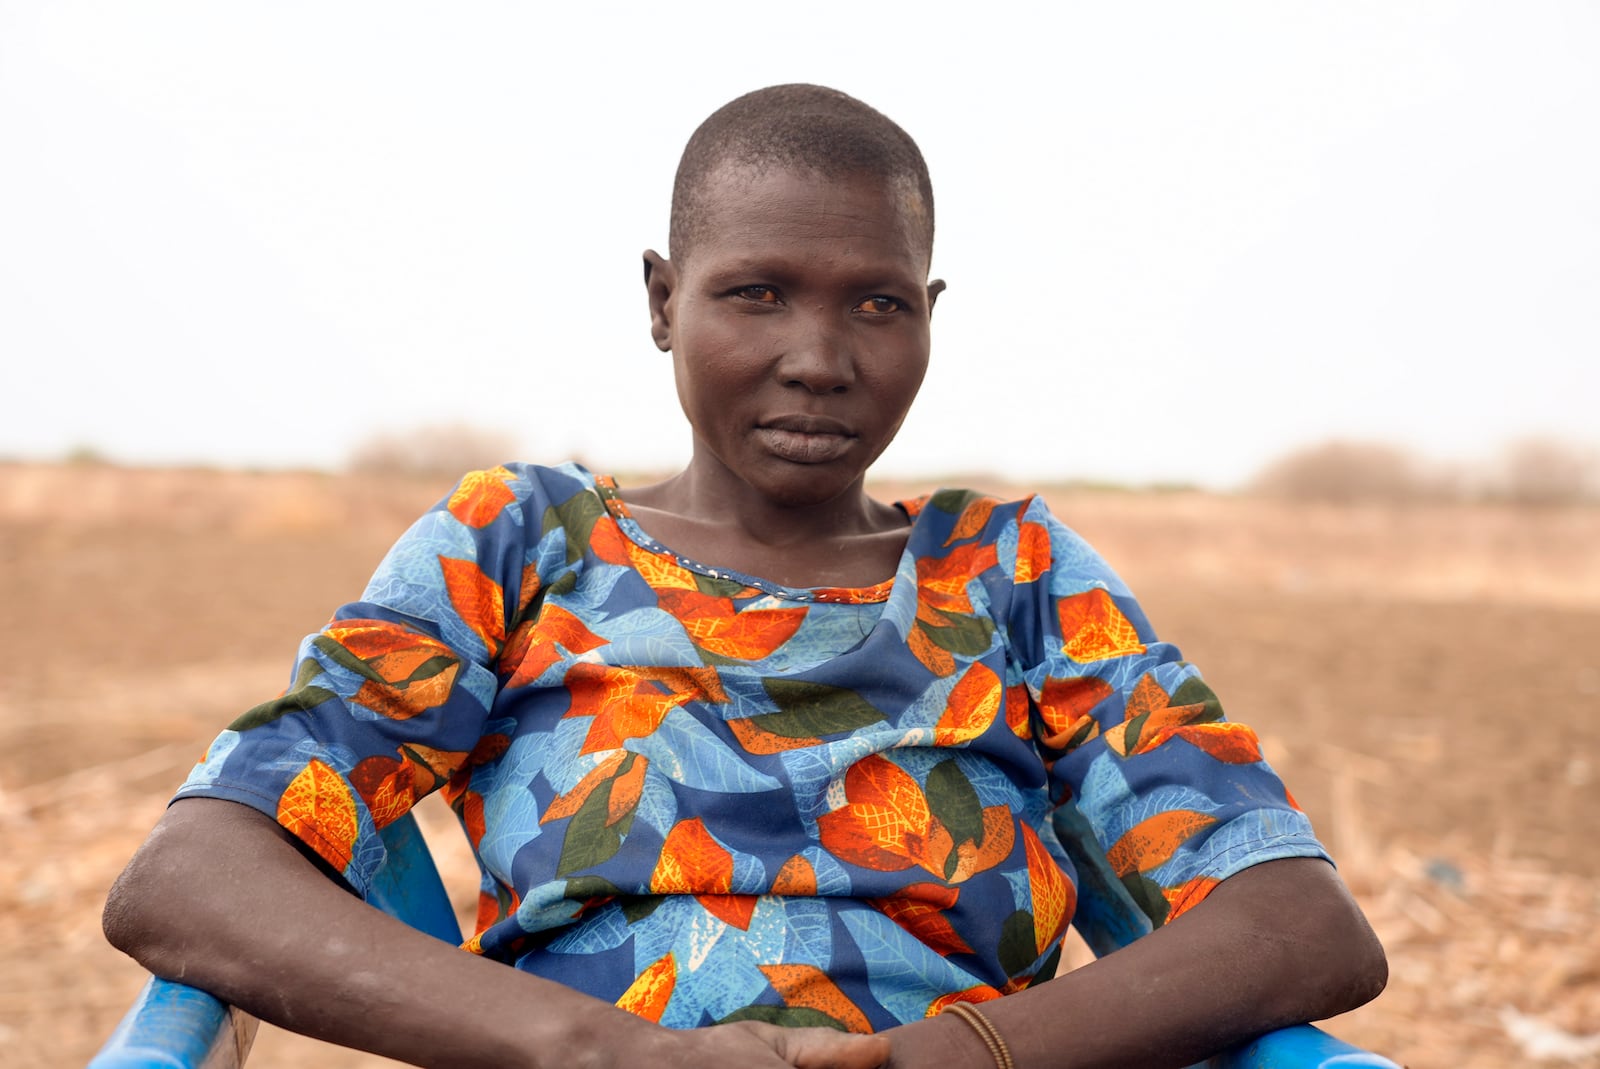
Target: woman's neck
[[849, 541]]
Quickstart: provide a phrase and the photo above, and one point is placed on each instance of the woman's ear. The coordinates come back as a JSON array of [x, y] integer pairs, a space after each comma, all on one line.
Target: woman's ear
[[660, 283]]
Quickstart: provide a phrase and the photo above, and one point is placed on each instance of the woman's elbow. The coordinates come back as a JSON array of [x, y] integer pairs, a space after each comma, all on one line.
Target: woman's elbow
[[141, 916], [1366, 966], [1346, 952]]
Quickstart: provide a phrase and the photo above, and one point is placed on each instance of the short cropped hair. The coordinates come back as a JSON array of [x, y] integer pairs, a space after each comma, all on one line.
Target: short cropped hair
[[800, 126]]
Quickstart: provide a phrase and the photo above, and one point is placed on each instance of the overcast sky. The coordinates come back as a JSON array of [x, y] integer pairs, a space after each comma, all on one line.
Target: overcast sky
[[1180, 238]]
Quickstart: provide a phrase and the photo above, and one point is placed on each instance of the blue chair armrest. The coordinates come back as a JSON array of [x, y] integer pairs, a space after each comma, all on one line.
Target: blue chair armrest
[[408, 886], [174, 1026], [1302, 1046]]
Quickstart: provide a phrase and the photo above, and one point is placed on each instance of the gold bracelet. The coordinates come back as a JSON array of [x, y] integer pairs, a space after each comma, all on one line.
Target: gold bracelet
[[986, 1031]]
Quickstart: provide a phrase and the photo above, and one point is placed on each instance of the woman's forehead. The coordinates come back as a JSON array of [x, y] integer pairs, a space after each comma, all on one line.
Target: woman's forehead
[[739, 203]]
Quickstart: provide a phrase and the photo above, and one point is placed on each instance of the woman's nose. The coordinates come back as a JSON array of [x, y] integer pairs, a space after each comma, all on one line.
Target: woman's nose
[[818, 356]]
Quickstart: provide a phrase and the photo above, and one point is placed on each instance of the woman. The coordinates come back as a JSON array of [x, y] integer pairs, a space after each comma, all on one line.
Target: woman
[[748, 747]]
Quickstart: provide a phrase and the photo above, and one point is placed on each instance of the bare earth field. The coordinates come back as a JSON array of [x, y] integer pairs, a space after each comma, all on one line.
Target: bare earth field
[[1427, 679]]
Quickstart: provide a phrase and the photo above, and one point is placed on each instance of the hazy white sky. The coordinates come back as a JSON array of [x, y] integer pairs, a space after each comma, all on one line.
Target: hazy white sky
[[1180, 238]]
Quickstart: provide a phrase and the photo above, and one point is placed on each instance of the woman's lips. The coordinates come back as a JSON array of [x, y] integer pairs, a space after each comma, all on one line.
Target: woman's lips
[[806, 440]]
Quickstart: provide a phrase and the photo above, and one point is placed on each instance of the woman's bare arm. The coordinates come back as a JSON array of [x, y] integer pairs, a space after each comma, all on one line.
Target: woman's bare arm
[[1280, 943], [220, 898]]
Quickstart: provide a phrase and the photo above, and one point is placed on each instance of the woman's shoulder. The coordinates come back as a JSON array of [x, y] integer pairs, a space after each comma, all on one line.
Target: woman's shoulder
[[972, 531], [481, 496], [952, 516]]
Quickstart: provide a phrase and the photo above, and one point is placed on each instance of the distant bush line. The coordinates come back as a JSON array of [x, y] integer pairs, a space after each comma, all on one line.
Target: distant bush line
[[1531, 471]]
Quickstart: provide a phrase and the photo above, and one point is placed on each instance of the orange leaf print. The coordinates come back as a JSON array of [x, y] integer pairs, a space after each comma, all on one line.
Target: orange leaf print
[[1093, 628], [660, 570], [385, 785], [407, 671], [1152, 841], [919, 909], [372, 640], [942, 581], [530, 656], [972, 706], [649, 994], [429, 766], [713, 624], [885, 823], [749, 635], [402, 700], [972, 520], [565, 805], [692, 862], [979, 993], [558, 625], [470, 807], [317, 808], [698, 682], [796, 877], [999, 836], [1065, 706], [488, 749], [758, 740], [608, 543], [730, 909], [1054, 898], [1234, 744], [1144, 709], [410, 666], [538, 643], [932, 850], [1150, 721], [528, 587], [1033, 552], [809, 986], [1147, 697], [1187, 895], [934, 658], [870, 836], [875, 779], [481, 496], [626, 789], [477, 599], [494, 907], [624, 706], [1017, 711]]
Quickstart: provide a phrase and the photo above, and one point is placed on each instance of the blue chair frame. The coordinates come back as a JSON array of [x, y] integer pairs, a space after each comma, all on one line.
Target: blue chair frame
[[174, 1026]]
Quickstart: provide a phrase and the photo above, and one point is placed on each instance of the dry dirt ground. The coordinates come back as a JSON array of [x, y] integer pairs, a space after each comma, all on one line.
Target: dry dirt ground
[[1427, 679]]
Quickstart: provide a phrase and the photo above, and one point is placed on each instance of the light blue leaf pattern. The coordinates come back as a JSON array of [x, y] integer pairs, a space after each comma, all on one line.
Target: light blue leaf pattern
[[684, 750]]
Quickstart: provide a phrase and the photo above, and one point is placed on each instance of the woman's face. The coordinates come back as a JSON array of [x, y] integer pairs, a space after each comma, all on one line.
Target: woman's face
[[798, 324]]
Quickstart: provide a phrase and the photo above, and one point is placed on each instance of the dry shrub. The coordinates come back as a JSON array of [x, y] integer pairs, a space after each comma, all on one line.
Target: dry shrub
[[442, 450], [1545, 471], [1346, 472]]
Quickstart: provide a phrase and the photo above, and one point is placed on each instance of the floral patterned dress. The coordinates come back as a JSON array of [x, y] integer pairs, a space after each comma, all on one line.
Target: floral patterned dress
[[705, 797]]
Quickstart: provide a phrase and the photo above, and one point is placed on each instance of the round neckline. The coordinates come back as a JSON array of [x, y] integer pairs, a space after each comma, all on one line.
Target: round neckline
[[611, 497]]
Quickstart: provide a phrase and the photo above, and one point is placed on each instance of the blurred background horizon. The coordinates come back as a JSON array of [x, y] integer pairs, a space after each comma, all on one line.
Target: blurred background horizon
[[1181, 241]]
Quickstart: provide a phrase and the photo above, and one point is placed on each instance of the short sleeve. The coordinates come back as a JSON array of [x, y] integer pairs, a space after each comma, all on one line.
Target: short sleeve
[[389, 700], [1177, 795]]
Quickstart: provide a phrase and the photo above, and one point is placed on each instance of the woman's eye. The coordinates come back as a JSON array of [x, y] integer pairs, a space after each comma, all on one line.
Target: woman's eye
[[878, 306], [763, 294]]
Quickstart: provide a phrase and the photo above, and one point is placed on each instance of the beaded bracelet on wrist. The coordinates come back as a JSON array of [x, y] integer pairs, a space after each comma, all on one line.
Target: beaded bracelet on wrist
[[986, 1031]]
